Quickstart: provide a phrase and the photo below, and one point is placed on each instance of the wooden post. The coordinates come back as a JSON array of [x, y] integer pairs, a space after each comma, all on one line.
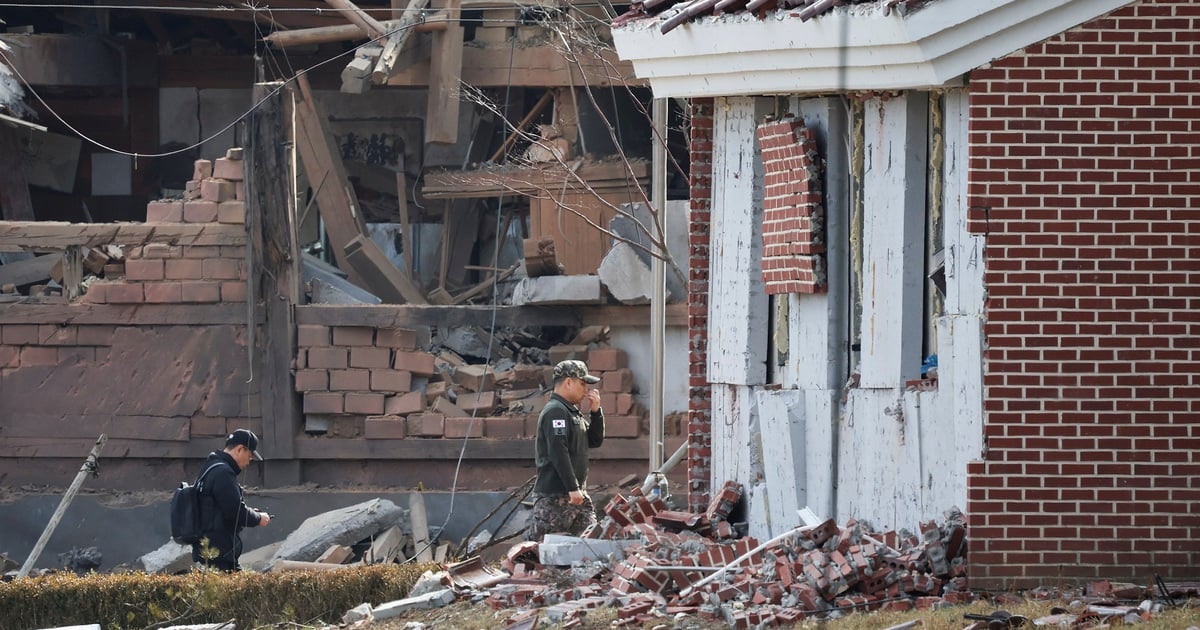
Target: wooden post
[[445, 70], [270, 219], [89, 465]]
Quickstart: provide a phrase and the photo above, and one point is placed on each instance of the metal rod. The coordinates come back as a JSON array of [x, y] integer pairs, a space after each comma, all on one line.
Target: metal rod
[[89, 465], [658, 271]]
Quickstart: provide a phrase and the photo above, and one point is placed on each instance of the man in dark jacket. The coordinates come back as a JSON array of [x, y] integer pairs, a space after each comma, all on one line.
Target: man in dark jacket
[[564, 436], [221, 504]]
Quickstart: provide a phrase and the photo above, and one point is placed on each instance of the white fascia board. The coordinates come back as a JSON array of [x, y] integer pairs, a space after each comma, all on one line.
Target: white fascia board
[[853, 48]]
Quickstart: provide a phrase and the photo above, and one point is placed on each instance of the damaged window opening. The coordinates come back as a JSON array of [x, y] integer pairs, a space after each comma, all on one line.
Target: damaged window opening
[[895, 238]]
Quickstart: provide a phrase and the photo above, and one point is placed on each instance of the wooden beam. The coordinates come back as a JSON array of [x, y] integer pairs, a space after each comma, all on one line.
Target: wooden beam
[[335, 199], [381, 277], [82, 426], [386, 66], [535, 181], [343, 32], [55, 235], [124, 315], [441, 118], [408, 316], [270, 216]]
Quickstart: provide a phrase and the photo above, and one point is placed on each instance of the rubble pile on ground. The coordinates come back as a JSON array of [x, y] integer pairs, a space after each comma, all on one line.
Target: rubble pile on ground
[[696, 563]]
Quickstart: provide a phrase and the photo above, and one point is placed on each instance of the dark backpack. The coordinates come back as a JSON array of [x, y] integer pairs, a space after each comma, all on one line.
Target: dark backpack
[[187, 525]]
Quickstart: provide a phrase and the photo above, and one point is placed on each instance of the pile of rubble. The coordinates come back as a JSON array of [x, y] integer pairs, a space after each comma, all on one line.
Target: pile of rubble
[[651, 561]]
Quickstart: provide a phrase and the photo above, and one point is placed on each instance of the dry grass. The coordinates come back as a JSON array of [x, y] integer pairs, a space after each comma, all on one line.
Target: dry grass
[[477, 616]]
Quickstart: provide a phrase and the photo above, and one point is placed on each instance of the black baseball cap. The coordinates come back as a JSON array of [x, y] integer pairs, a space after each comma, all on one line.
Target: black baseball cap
[[244, 437]]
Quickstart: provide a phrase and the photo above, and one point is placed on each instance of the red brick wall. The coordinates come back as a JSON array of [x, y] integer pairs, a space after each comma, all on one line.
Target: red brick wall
[[1084, 176], [699, 425], [793, 211]]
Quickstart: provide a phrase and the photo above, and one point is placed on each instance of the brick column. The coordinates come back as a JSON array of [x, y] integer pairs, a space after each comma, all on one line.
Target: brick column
[[699, 425]]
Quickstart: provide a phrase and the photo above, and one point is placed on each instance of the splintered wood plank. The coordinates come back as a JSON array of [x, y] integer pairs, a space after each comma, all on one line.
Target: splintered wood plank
[[54, 235]]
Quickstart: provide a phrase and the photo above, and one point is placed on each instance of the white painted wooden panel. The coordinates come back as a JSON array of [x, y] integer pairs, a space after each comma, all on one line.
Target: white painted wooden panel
[[737, 305], [960, 379], [820, 420], [878, 465], [782, 423], [964, 251], [817, 322], [893, 240], [736, 449]]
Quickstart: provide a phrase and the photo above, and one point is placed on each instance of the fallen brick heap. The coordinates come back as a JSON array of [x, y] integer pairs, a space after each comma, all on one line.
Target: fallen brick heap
[[813, 571]]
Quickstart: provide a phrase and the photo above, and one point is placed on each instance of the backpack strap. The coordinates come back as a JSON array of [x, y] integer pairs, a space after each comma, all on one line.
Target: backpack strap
[[200, 480]]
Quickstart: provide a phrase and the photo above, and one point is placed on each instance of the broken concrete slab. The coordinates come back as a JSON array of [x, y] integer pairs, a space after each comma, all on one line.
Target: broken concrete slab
[[171, 558], [558, 550], [386, 547], [346, 526], [625, 276], [558, 290], [624, 226], [259, 558], [436, 599]]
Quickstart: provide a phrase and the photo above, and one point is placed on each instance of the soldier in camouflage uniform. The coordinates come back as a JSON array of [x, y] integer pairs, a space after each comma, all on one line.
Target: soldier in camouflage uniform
[[561, 503]]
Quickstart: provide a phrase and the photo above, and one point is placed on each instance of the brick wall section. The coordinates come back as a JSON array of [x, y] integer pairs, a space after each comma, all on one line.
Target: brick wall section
[[168, 274], [699, 423], [378, 383], [1084, 150], [793, 208]]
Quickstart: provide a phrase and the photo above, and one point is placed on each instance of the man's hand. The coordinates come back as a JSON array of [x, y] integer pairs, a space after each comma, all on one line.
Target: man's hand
[[593, 397], [263, 518], [576, 497]]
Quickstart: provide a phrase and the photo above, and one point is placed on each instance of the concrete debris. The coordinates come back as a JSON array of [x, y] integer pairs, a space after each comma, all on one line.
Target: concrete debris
[[436, 599], [429, 582], [346, 526], [90, 626], [171, 558], [625, 276], [360, 612], [557, 550], [548, 290]]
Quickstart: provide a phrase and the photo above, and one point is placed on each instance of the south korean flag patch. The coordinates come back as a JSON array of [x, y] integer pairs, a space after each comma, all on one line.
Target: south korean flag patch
[[560, 427]]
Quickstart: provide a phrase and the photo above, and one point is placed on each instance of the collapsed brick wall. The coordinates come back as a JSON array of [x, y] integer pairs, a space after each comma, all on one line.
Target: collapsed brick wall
[[1083, 178], [169, 274], [699, 422], [133, 358], [381, 383]]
